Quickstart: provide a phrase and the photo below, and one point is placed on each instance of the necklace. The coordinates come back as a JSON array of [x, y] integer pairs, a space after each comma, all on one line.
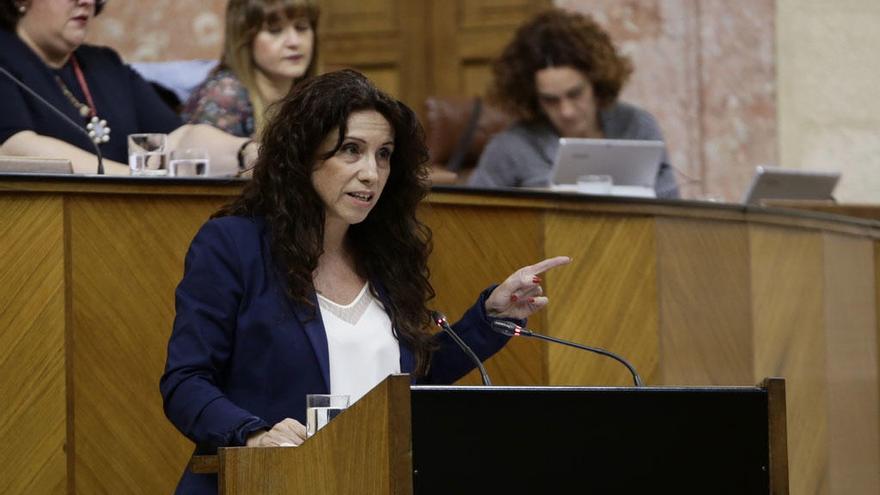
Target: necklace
[[98, 129]]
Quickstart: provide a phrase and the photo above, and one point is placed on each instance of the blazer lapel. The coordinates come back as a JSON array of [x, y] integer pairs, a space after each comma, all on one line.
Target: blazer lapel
[[407, 359], [313, 325], [311, 321]]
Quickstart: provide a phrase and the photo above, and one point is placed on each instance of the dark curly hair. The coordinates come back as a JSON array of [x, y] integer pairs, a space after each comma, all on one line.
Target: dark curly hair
[[391, 245], [9, 14], [557, 38]]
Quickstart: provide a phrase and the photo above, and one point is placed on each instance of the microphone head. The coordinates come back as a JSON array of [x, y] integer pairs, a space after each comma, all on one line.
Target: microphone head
[[438, 318], [506, 328]]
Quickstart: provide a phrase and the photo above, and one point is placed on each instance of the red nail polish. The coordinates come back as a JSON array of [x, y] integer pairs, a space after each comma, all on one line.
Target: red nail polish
[[531, 300], [536, 279], [513, 298]]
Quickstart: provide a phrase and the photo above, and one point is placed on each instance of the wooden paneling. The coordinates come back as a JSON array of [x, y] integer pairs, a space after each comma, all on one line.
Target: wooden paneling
[[737, 294], [361, 17], [789, 338], [365, 450], [385, 78], [705, 310], [467, 36], [384, 39], [416, 48], [473, 249], [480, 14], [126, 258], [866, 211], [877, 309], [33, 404], [607, 297], [851, 364], [475, 78]]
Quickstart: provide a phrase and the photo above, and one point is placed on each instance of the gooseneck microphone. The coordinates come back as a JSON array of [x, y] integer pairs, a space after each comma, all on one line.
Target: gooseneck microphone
[[59, 113], [513, 330], [440, 319]]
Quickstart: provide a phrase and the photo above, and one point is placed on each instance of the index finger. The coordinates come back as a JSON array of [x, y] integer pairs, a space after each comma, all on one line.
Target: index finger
[[543, 266]]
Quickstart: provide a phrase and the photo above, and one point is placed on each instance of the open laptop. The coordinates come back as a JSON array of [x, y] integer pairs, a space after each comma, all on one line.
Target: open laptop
[[35, 165], [632, 164], [789, 183]]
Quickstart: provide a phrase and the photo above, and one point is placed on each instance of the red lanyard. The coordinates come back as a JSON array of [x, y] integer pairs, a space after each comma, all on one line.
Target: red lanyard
[[83, 85]]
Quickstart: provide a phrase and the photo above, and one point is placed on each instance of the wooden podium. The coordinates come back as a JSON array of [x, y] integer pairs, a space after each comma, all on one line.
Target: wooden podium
[[441, 440]]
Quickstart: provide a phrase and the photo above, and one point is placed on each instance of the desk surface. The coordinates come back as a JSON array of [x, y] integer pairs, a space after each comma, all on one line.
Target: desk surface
[[834, 219]]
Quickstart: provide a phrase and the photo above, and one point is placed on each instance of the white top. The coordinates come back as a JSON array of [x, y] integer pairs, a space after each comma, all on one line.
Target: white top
[[363, 350]]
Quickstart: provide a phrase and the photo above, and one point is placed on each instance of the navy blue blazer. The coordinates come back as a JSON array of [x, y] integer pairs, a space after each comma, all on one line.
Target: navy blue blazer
[[242, 356], [123, 98]]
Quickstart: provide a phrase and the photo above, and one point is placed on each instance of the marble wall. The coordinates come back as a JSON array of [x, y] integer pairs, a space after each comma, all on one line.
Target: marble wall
[[160, 30], [704, 68], [829, 79]]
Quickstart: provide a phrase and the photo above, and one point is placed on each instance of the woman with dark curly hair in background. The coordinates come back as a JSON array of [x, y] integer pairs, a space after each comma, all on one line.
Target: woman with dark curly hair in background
[[561, 75], [315, 279]]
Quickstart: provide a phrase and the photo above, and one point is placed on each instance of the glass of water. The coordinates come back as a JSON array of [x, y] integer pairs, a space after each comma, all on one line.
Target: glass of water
[[188, 163], [146, 154], [321, 408]]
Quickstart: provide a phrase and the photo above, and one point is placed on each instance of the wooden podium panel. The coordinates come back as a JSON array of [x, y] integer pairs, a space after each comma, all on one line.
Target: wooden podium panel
[[613, 262], [33, 386], [472, 440], [366, 449], [126, 257], [704, 302], [692, 294]]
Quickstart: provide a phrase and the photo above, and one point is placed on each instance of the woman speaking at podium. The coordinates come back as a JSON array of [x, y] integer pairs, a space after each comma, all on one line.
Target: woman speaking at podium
[[41, 45], [315, 279]]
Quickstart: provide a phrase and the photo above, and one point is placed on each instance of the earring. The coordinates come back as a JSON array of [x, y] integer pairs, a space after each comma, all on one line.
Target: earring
[[22, 8]]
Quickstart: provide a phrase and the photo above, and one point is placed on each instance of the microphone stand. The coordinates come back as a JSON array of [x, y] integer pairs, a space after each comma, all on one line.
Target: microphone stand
[[440, 319], [514, 330]]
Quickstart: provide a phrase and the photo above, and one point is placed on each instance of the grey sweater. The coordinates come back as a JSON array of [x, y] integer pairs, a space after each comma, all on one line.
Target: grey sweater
[[523, 154]]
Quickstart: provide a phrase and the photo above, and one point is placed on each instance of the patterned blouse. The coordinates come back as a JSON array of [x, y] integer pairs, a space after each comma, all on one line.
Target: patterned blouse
[[223, 102]]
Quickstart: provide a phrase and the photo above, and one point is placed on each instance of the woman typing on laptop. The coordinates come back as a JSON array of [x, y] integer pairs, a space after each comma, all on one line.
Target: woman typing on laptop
[[561, 76], [41, 45]]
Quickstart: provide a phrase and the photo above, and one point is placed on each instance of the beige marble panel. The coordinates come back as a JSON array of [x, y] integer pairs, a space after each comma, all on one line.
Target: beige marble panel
[[161, 30], [738, 92], [829, 114]]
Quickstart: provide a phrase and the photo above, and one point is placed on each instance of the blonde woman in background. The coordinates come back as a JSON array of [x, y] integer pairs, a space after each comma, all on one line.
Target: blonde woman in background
[[270, 45]]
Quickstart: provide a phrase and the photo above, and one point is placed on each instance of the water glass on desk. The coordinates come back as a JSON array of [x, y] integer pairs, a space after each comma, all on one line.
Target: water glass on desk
[[146, 154], [188, 163], [321, 408]]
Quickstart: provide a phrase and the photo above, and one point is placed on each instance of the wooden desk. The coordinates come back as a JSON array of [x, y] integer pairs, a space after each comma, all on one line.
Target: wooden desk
[[691, 293], [867, 211]]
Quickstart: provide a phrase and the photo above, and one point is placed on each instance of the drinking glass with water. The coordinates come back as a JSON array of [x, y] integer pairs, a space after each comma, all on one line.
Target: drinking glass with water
[[188, 163], [146, 154], [321, 408]]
